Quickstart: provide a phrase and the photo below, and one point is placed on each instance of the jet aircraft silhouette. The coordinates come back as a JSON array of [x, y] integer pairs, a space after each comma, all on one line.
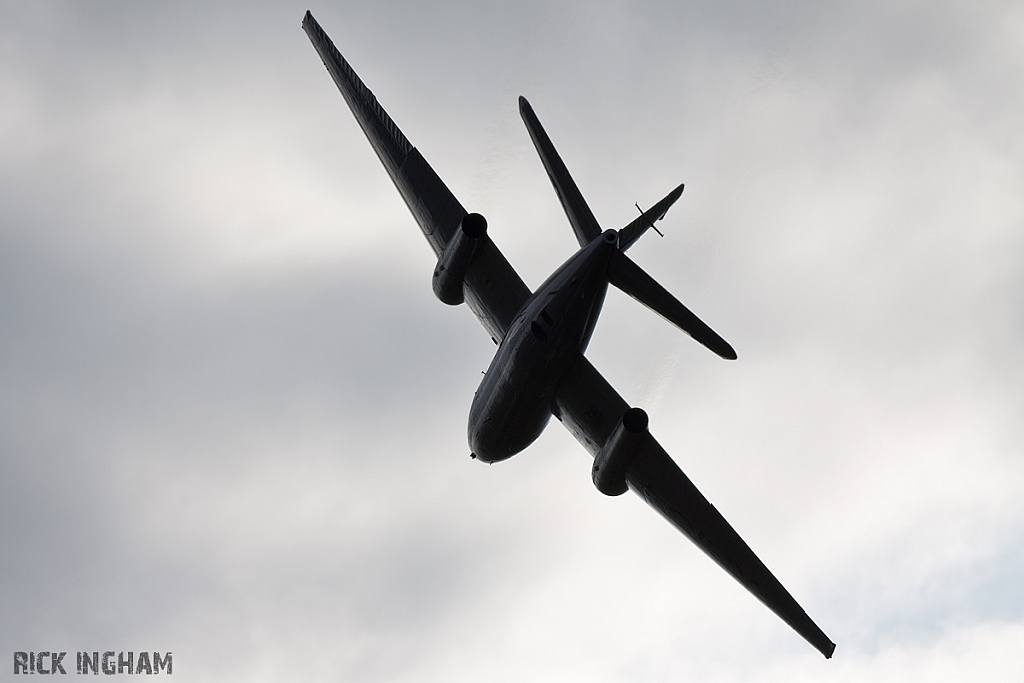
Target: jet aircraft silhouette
[[539, 369]]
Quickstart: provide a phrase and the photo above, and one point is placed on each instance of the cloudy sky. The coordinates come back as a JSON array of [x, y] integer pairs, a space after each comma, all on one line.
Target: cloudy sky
[[233, 416]]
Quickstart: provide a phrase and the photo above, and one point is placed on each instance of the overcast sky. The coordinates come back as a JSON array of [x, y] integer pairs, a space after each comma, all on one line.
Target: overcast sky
[[233, 415]]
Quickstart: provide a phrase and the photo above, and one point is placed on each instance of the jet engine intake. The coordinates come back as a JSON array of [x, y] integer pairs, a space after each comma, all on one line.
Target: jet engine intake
[[452, 266], [614, 459]]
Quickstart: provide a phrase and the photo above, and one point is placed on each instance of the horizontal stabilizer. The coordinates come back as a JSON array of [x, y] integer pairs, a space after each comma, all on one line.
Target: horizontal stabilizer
[[580, 216], [632, 280], [632, 232]]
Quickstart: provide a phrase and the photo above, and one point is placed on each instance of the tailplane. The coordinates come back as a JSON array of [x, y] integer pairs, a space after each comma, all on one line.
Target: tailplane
[[580, 216], [622, 272], [631, 279]]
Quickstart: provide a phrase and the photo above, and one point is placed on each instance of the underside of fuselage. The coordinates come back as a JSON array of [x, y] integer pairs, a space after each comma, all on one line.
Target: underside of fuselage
[[513, 404]]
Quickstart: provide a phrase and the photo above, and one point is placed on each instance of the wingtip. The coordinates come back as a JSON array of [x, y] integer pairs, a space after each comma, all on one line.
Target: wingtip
[[716, 344], [524, 105]]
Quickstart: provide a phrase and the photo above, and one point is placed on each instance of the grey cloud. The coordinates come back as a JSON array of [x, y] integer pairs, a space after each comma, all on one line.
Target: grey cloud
[[234, 416]]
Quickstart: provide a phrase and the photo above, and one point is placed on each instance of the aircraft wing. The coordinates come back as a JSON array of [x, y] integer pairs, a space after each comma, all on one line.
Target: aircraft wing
[[590, 408], [494, 291]]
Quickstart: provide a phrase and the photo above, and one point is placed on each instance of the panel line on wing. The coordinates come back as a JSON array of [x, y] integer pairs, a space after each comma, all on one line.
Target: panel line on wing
[[360, 98]]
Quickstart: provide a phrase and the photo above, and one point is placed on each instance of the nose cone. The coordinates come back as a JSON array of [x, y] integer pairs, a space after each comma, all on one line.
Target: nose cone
[[487, 445], [506, 428], [611, 236]]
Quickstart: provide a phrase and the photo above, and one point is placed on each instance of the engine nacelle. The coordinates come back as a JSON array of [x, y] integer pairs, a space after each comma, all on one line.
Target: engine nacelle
[[452, 266], [614, 459]]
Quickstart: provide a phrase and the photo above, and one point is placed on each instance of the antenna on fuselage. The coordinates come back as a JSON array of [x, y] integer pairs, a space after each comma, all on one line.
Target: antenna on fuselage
[[637, 205]]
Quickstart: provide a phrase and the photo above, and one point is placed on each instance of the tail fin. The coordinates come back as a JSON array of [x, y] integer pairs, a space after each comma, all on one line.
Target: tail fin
[[580, 217], [632, 280], [632, 232], [622, 272]]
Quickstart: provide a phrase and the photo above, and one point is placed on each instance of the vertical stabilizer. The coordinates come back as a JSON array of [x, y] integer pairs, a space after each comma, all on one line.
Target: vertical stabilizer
[[632, 232]]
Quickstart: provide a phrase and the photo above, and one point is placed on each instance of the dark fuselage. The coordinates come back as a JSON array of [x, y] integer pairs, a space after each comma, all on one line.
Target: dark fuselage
[[513, 404]]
